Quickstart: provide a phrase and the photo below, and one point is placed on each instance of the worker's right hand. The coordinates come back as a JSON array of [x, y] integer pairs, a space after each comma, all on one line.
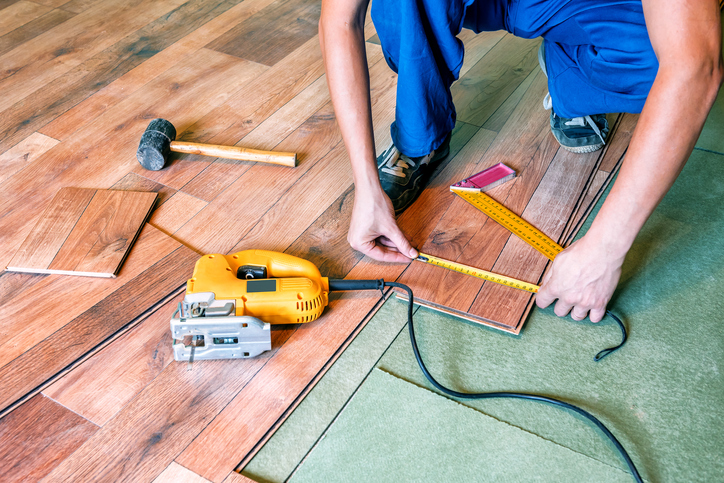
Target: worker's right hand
[[373, 229]]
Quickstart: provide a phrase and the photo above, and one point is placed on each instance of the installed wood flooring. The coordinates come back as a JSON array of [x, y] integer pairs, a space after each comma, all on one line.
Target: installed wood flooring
[[80, 81]]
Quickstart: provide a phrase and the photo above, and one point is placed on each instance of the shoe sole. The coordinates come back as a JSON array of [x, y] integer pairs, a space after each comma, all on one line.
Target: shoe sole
[[582, 149]]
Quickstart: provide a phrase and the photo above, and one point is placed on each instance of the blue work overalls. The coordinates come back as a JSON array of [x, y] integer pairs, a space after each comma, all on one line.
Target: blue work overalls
[[598, 56]]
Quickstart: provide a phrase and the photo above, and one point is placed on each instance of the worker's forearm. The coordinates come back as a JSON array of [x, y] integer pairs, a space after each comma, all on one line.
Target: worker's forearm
[[345, 61], [667, 130]]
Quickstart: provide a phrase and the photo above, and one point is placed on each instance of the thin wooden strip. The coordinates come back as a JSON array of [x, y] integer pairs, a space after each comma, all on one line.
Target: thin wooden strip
[[23, 153], [52, 229], [32, 29], [273, 33], [35, 366], [49, 433]]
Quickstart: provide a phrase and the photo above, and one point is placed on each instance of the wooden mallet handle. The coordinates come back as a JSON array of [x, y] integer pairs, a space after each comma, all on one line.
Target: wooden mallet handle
[[236, 152]]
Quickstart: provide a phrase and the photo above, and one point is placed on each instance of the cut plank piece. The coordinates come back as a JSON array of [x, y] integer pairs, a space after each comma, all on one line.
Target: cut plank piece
[[48, 433], [175, 473], [45, 338], [84, 232]]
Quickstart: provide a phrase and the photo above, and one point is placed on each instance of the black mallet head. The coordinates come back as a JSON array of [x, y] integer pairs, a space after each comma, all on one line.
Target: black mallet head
[[155, 144]]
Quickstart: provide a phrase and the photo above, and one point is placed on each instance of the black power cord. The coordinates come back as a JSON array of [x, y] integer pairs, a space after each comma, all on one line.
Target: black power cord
[[342, 285]]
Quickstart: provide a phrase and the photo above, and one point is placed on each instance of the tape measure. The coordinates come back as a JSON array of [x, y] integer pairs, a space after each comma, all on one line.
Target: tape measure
[[513, 223], [476, 272]]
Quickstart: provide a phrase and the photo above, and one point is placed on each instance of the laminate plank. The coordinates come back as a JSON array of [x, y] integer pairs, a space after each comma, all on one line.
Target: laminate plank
[[37, 437], [175, 473], [102, 68], [501, 115], [477, 46], [84, 232], [53, 3], [20, 13], [239, 207], [218, 175], [142, 440], [7, 3], [38, 365], [23, 153], [53, 53], [101, 386], [77, 6], [174, 214], [32, 29], [187, 91], [273, 33], [136, 78], [243, 111], [24, 325], [481, 91], [235, 477]]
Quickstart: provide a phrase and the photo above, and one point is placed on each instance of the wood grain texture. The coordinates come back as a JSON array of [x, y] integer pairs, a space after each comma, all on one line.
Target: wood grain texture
[[125, 303], [20, 13], [32, 29], [84, 232], [37, 437], [25, 326], [143, 439], [253, 40], [101, 386], [23, 153], [175, 473], [174, 214]]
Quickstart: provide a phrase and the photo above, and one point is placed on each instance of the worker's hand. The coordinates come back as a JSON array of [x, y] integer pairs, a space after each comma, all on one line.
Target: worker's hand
[[583, 278], [373, 229]]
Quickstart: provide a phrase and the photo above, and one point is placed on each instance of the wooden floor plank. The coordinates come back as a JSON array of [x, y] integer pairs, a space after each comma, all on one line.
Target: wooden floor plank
[[175, 473], [23, 153], [101, 386], [32, 29], [152, 67], [37, 437], [19, 14], [273, 33], [39, 364], [477, 46], [174, 214], [86, 232], [481, 91]]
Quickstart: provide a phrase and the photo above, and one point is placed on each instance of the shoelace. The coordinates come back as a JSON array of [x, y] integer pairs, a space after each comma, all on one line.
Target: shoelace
[[576, 121], [395, 162]]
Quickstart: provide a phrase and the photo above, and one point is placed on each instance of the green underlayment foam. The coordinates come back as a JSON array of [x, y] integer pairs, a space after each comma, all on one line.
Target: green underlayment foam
[[395, 431], [662, 394]]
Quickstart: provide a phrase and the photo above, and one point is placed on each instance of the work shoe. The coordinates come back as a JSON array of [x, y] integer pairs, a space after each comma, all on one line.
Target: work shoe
[[403, 178], [584, 134]]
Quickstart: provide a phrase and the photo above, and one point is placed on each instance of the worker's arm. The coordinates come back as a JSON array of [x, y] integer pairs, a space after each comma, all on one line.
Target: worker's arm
[[686, 37], [373, 229]]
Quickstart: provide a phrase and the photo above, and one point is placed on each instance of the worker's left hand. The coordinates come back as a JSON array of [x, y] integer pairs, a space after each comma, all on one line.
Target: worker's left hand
[[583, 278]]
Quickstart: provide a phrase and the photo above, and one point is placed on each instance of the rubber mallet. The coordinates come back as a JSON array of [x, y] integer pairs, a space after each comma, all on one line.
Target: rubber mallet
[[159, 140]]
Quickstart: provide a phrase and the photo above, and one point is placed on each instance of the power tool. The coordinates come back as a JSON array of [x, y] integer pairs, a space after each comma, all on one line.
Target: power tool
[[231, 300]]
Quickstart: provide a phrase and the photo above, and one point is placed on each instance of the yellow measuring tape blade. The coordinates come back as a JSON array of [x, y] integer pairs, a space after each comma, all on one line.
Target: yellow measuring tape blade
[[476, 272], [511, 221]]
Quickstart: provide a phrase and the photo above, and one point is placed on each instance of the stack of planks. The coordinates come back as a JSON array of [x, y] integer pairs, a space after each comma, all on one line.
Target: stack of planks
[[87, 365]]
